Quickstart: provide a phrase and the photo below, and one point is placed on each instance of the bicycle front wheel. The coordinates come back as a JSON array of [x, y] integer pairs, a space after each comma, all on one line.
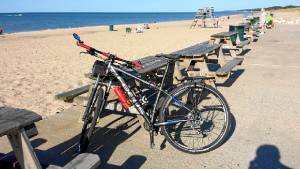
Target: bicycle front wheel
[[90, 120], [197, 118]]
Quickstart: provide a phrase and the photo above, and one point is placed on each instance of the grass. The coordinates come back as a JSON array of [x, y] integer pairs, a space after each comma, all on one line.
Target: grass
[[288, 10]]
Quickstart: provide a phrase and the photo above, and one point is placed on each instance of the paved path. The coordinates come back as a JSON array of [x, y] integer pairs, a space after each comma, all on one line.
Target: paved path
[[264, 100]]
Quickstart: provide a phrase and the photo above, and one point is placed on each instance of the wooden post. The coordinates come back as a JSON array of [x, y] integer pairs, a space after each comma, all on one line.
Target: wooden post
[[177, 73], [23, 150], [230, 44], [220, 56]]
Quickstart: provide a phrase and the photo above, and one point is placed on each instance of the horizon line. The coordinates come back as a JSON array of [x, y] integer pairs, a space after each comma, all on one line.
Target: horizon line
[[122, 12]]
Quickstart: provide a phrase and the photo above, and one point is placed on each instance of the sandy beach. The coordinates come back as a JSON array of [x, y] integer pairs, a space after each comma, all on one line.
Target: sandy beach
[[263, 96], [35, 66]]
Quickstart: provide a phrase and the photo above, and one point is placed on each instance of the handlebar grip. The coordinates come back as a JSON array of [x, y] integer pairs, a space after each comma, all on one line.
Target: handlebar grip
[[136, 64], [84, 46]]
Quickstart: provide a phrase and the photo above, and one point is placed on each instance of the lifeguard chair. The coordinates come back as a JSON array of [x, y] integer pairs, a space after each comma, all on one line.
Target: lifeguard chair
[[203, 14]]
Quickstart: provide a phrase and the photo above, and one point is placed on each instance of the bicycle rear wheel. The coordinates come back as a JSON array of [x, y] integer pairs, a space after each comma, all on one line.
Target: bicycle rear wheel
[[90, 120], [203, 118]]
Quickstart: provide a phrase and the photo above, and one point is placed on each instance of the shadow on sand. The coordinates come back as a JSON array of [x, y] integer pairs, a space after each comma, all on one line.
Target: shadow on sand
[[233, 77]]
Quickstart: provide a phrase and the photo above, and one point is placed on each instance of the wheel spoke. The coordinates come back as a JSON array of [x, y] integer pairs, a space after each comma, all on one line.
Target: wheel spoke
[[207, 123]]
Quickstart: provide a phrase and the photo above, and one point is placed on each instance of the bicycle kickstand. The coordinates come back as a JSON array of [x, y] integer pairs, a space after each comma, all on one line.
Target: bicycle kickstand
[[151, 133]]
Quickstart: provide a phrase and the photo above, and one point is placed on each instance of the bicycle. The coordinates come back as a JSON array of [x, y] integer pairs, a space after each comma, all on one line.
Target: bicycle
[[193, 117]]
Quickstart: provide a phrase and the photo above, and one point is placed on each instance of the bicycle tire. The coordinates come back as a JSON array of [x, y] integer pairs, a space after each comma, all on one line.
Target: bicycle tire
[[192, 135], [90, 121]]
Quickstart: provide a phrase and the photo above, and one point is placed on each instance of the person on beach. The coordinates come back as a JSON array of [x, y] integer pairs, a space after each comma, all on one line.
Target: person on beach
[[262, 20], [1, 31], [138, 29], [269, 21]]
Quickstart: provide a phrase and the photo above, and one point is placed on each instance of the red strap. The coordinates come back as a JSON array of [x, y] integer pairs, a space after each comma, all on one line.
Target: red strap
[[136, 64], [84, 46]]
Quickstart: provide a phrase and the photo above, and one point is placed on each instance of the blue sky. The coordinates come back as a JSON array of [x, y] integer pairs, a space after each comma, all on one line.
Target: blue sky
[[134, 5]]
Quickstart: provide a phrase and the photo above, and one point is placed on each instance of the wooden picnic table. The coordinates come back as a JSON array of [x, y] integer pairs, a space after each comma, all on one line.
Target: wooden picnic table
[[12, 123], [225, 39], [197, 55], [197, 59]]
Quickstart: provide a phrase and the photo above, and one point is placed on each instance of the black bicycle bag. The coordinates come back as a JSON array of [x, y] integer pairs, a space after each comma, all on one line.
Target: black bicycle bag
[[98, 67]]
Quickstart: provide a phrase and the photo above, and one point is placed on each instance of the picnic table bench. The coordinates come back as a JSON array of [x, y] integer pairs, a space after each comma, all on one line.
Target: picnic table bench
[[12, 123], [68, 96], [225, 39]]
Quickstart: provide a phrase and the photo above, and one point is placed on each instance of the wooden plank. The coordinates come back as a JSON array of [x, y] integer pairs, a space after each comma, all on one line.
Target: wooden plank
[[255, 34], [242, 44], [31, 130], [197, 50], [84, 161], [72, 93], [224, 70], [12, 119], [224, 34], [23, 150], [151, 63]]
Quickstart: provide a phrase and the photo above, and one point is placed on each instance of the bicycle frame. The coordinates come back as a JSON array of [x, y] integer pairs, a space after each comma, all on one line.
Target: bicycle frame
[[114, 70]]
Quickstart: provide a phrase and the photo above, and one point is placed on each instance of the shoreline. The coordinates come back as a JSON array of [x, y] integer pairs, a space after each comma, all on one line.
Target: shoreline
[[141, 23], [105, 28]]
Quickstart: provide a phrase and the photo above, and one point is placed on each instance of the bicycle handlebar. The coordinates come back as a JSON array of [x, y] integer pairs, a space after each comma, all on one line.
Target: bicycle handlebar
[[92, 50]]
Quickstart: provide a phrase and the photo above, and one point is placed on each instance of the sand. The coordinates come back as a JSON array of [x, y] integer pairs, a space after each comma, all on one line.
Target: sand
[[35, 66]]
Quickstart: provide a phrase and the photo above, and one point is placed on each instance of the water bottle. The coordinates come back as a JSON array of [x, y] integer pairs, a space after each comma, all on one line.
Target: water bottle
[[122, 97]]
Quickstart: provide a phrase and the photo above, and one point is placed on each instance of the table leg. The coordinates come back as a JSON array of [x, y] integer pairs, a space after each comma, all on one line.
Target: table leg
[[230, 44], [23, 150], [214, 41], [221, 58], [177, 73]]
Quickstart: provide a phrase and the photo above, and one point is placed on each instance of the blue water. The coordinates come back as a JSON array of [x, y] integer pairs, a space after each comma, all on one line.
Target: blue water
[[25, 22]]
